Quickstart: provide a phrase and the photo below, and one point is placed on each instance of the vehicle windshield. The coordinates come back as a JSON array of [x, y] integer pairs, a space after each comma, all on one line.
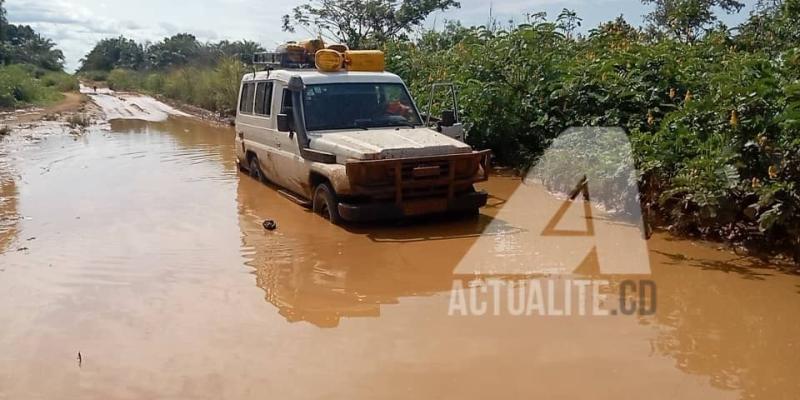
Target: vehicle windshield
[[358, 105]]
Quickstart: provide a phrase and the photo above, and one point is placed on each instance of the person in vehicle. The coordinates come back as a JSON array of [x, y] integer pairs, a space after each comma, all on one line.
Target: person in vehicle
[[397, 107]]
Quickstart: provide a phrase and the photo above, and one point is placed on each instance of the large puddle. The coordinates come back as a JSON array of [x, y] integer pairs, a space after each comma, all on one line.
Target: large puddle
[[143, 249]]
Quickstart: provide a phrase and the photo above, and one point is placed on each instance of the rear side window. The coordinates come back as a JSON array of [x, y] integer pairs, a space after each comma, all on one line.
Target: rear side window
[[263, 98], [286, 106], [246, 102]]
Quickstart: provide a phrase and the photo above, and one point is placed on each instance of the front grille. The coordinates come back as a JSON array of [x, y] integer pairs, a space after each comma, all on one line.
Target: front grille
[[427, 177], [408, 167]]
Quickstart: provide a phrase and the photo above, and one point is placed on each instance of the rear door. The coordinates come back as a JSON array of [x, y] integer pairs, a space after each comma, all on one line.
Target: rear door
[[256, 125]]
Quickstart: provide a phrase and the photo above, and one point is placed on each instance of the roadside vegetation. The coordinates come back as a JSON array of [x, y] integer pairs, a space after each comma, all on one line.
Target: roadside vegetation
[[206, 75], [713, 112], [31, 68], [213, 88], [714, 117]]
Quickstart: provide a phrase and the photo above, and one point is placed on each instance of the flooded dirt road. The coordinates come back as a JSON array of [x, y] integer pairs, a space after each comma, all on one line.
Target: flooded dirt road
[[141, 248]]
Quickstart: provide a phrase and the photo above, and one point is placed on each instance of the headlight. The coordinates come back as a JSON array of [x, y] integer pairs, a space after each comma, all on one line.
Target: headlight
[[466, 167]]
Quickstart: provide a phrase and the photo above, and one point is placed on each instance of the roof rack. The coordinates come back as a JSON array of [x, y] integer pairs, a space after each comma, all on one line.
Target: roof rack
[[287, 59]]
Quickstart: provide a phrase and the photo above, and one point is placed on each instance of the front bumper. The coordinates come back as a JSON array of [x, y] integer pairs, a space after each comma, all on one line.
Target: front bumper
[[386, 211]]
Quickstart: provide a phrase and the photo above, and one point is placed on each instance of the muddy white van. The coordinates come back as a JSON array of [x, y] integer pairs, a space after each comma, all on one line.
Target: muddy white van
[[346, 139]]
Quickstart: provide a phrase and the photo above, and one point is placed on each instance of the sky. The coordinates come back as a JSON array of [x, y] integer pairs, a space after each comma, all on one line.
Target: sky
[[77, 25]]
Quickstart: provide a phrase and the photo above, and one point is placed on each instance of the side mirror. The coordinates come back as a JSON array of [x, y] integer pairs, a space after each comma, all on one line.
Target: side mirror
[[448, 118], [284, 123]]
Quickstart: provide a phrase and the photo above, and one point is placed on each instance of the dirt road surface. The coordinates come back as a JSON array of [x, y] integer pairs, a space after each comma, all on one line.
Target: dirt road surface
[[140, 246], [129, 105], [72, 102]]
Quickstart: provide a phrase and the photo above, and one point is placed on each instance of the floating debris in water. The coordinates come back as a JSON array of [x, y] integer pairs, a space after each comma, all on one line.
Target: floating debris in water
[[269, 225]]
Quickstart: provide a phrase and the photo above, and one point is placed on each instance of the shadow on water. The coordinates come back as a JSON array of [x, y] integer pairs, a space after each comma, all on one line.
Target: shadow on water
[[727, 317], [745, 267], [439, 227]]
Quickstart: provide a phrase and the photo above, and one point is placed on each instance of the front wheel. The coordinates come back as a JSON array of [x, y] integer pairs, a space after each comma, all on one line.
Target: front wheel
[[326, 204]]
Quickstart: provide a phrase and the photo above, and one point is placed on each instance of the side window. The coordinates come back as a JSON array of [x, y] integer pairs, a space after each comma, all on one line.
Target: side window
[[263, 98], [246, 102], [286, 105]]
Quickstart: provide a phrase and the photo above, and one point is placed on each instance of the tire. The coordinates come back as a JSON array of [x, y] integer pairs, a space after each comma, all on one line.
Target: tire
[[255, 169], [326, 204], [471, 213]]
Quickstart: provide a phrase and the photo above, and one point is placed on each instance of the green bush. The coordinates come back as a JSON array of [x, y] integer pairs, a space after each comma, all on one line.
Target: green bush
[[124, 79], [154, 82], [214, 89], [60, 81], [715, 130], [19, 86]]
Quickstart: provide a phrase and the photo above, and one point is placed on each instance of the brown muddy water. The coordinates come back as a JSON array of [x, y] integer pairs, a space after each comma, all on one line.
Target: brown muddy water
[[141, 247]]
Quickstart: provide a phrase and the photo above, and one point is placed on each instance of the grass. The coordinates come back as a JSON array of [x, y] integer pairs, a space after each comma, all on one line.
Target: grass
[[213, 89], [23, 85]]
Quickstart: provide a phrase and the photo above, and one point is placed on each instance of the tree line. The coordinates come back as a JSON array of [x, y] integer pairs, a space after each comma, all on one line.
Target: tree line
[[176, 51]]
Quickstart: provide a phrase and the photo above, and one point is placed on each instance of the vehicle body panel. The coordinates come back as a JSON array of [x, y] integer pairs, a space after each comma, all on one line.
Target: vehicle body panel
[[382, 143]]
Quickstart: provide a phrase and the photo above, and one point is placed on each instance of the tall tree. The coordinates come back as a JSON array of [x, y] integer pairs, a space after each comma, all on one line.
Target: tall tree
[[244, 50], [25, 46], [177, 50], [686, 19], [3, 25], [363, 23], [114, 53], [772, 27], [568, 21]]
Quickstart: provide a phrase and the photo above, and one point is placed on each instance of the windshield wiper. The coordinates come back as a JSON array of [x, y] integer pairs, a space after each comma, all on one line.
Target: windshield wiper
[[360, 124]]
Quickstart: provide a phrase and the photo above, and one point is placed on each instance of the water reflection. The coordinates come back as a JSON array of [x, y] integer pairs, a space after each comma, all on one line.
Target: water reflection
[[9, 215], [325, 273], [728, 318], [319, 273], [195, 140]]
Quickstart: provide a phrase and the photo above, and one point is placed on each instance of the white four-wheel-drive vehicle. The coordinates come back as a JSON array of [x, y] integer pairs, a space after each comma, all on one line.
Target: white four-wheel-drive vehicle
[[346, 139]]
